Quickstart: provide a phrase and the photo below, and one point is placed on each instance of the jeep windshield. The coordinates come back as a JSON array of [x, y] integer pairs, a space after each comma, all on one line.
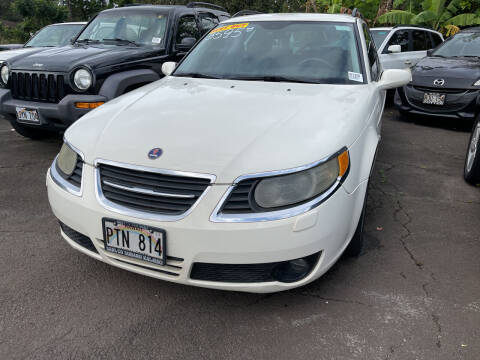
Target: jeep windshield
[[277, 51], [126, 28], [461, 45], [54, 35]]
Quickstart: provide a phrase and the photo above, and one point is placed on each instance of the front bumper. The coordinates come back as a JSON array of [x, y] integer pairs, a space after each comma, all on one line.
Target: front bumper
[[461, 104], [53, 116], [194, 239]]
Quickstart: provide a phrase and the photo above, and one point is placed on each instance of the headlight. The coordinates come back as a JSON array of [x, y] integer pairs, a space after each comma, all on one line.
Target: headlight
[[477, 83], [66, 160], [4, 74], [287, 190], [82, 79]]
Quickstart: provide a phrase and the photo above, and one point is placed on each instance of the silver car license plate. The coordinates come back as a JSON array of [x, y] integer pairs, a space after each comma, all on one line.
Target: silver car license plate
[[135, 241], [27, 115], [434, 99]]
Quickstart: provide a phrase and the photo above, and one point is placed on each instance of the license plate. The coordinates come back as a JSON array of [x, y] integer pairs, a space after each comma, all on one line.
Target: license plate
[[135, 241], [27, 115], [434, 99]]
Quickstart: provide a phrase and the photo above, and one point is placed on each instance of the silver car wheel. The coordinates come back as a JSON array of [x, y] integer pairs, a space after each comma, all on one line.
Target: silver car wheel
[[472, 150]]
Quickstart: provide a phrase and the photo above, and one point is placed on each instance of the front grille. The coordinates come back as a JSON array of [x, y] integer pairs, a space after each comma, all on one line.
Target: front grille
[[37, 86], [80, 239], [76, 178], [151, 192], [239, 200], [245, 273]]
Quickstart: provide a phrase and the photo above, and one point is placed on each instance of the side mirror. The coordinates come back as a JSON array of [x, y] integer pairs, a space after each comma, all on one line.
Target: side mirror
[[168, 68], [187, 43], [394, 78], [72, 40], [394, 49]]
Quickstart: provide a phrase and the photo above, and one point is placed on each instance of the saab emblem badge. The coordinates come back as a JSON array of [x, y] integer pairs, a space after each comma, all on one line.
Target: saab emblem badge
[[155, 153]]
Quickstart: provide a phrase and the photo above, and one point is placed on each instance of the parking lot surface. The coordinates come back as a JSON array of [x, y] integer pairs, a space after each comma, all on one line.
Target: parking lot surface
[[414, 293]]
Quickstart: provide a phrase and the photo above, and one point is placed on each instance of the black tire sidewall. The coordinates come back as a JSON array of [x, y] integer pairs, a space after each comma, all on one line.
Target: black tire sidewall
[[473, 177]]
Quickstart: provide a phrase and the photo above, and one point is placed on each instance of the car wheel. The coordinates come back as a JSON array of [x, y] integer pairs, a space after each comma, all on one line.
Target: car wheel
[[472, 162], [28, 132], [356, 244]]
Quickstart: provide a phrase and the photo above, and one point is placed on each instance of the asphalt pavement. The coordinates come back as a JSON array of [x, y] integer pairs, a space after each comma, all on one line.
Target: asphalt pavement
[[414, 293]]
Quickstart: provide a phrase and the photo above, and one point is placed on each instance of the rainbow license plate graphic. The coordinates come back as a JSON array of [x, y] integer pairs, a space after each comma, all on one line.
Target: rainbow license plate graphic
[[135, 241]]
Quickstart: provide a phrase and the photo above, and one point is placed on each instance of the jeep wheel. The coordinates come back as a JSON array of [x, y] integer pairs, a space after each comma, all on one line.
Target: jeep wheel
[[29, 132], [472, 162]]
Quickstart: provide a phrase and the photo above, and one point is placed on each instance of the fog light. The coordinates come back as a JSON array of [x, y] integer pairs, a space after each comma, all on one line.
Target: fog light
[[293, 270], [88, 105]]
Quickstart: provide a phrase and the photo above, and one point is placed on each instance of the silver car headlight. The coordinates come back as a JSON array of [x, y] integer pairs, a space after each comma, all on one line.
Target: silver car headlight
[[67, 160], [296, 188], [4, 74], [82, 79]]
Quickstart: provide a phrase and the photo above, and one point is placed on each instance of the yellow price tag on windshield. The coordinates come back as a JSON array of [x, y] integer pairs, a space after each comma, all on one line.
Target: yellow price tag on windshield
[[229, 27]]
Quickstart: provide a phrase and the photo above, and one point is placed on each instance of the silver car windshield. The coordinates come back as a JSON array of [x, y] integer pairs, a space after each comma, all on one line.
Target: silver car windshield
[[54, 35], [126, 28], [461, 45], [311, 52]]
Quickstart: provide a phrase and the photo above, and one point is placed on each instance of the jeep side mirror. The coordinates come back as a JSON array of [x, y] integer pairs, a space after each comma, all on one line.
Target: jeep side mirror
[[394, 78], [186, 44], [394, 49], [168, 68]]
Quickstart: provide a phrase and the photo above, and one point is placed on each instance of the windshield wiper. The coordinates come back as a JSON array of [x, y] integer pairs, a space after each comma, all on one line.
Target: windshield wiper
[[87, 41], [273, 79], [124, 41], [197, 75]]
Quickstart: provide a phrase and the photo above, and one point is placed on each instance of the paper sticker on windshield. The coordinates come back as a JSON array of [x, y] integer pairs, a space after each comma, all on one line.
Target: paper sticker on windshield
[[229, 27], [355, 76], [156, 40]]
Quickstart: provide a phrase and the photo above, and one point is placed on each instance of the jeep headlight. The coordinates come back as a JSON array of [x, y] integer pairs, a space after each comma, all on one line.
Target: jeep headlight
[[82, 79], [289, 190], [66, 160], [4, 70]]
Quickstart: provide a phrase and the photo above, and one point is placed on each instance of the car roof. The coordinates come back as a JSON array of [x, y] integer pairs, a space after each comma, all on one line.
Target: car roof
[[164, 7], [381, 28], [294, 17]]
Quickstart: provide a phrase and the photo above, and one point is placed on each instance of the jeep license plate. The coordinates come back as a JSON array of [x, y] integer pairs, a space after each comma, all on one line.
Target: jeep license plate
[[27, 115], [434, 99]]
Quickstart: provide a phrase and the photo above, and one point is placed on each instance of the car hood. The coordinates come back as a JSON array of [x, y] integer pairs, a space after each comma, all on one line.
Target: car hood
[[64, 59], [10, 54], [458, 73], [222, 127]]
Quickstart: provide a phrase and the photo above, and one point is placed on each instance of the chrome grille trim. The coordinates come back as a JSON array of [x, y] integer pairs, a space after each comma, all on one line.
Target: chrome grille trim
[[147, 192], [138, 213]]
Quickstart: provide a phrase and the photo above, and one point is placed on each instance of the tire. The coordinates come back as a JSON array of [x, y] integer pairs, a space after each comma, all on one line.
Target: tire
[[355, 247], [29, 132], [472, 160]]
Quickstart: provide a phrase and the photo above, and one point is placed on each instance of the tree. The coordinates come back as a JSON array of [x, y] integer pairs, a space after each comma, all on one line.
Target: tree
[[442, 15], [384, 7]]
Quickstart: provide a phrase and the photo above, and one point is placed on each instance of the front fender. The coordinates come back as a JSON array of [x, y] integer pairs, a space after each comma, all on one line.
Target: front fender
[[116, 84]]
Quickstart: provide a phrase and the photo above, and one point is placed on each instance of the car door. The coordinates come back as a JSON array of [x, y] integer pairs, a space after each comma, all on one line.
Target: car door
[[187, 27], [420, 43], [397, 60]]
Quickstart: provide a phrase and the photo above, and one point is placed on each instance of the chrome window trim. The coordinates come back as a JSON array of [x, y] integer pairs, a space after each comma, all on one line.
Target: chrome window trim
[[218, 217], [122, 210], [60, 181]]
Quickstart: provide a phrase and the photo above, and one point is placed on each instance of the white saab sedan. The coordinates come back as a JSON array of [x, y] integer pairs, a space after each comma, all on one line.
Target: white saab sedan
[[246, 168]]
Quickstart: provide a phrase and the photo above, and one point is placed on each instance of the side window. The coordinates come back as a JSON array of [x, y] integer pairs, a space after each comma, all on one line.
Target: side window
[[207, 21], [187, 28], [437, 40], [419, 40], [400, 37], [372, 54]]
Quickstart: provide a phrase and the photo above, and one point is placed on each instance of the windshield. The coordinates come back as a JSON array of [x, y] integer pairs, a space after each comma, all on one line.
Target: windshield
[[123, 28], [54, 35], [317, 52], [461, 45], [379, 36]]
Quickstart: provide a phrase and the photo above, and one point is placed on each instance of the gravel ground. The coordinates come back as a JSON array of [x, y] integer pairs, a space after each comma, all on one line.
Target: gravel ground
[[414, 293]]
